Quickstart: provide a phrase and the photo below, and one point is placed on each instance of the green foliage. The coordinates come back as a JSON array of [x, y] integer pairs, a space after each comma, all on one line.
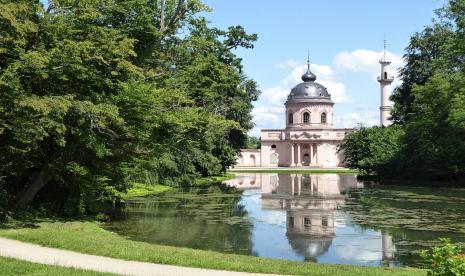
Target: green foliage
[[435, 133], [421, 59], [446, 259], [428, 107], [373, 150], [101, 93], [253, 142]]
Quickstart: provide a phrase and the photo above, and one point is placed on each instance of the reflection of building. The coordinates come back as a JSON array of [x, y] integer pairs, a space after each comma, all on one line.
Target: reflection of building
[[310, 203]]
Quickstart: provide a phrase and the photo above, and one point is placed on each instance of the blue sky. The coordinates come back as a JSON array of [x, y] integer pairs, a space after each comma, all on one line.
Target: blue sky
[[345, 40]]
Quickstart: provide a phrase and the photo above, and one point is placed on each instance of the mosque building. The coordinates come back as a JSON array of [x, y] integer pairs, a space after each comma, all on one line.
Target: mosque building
[[309, 138]]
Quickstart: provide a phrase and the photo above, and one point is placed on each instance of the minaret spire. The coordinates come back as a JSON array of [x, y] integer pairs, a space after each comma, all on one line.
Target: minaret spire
[[385, 48], [385, 57]]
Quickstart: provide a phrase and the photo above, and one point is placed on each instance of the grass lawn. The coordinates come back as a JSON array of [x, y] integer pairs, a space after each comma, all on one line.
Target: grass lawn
[[141, 189], [91, 238], [15, 267], [239, 170]]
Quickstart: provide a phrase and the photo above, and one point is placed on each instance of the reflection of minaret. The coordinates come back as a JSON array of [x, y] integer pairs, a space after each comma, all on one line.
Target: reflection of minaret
[[388, 249], [385, 81]]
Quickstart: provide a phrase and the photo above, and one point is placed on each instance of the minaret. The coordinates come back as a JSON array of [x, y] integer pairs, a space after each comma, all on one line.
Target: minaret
[[385, 81]]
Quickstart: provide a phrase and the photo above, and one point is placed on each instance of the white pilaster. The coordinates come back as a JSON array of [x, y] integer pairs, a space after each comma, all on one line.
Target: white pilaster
[[312, 162], [292, 155], [317, 157], [299, 162]]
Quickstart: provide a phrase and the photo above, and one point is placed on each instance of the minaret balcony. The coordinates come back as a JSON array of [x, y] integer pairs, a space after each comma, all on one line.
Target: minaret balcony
[[383, 79]]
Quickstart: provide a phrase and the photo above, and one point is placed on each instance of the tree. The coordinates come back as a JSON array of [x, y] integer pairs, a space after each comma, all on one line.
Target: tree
[[435, 132], [427, 141], [421, 60], [99, 93], [373, 150], [253, 142]]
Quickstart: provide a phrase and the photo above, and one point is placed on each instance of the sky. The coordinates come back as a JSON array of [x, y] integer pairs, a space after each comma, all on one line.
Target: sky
[[345, 41]]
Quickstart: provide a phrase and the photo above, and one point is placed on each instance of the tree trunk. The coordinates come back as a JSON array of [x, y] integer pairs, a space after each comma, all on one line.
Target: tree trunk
[[162, 16], [29, 191]]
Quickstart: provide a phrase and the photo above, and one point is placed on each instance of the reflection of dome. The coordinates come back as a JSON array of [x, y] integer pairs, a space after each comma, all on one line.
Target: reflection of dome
[[308, 246]]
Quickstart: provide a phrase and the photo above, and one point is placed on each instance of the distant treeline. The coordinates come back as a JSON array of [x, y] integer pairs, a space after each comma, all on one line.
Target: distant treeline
[[427, 139], [97, 94]]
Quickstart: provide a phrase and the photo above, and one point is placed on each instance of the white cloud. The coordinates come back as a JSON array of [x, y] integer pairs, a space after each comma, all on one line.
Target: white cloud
[[274, 95], [363, 60], [351, 119], [367, 61], [287, 64], [268, 115]]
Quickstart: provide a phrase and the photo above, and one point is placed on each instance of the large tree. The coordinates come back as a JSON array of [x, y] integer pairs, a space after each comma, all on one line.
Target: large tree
[[96, 94], [429, 108]]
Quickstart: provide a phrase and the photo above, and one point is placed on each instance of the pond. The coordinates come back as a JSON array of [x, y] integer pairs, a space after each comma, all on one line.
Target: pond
[[325, 218]]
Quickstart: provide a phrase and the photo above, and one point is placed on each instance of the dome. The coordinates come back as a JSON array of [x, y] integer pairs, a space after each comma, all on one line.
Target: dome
[[309, 89]]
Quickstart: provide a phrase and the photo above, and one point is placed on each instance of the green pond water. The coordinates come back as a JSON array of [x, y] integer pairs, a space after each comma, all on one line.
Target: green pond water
[[326, 218]]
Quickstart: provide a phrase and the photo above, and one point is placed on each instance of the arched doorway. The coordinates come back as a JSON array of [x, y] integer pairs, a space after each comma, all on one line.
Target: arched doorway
[[306, 159], [252, 160]]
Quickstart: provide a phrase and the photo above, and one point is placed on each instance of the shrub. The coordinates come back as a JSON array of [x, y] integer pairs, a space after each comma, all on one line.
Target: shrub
[[446, 259]]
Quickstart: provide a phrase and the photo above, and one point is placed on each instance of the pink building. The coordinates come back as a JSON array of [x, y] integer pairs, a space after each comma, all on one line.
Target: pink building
[[309, 138]]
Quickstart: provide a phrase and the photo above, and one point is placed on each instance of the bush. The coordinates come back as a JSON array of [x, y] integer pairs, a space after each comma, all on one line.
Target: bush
[[373, 150], [3, 204], [446, 259]]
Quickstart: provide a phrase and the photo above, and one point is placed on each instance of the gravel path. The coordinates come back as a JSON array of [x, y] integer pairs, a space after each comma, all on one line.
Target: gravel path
[[51, 256]]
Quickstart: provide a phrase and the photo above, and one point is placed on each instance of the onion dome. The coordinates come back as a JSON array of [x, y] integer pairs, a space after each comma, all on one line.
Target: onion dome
[[309, 89]]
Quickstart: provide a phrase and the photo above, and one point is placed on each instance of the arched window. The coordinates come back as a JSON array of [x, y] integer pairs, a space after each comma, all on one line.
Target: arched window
[[385, 75], [323, 118], [290, 118], [273, 146], [306, 118]]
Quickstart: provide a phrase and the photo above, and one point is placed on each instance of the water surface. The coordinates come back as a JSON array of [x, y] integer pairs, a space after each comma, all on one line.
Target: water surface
[[325, 218]]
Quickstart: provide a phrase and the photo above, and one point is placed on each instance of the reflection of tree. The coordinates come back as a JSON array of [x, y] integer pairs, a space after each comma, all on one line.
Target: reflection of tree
[[208, 218], [415, 217]]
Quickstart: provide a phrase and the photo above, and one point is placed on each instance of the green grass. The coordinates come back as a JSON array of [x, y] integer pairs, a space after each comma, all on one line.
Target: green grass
[[15, 267], [91, 238], [141, 189], [293, 171]]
